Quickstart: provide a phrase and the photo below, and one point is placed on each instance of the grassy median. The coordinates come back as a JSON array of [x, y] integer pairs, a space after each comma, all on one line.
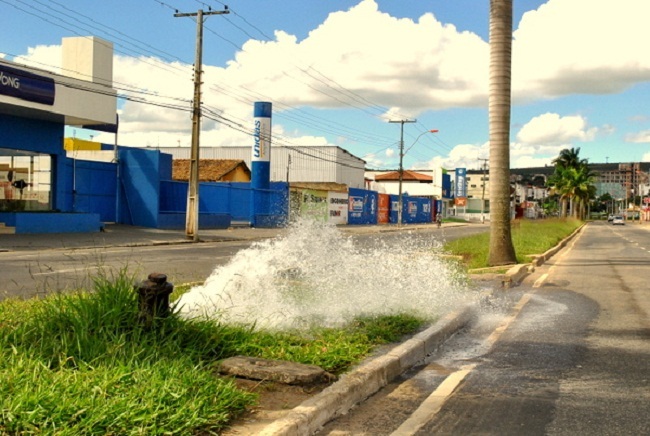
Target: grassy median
[[528, 236], [82, 363]]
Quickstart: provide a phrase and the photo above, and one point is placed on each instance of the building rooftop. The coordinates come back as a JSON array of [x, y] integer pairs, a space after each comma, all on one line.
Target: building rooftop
[[408, 176], [210, 170]]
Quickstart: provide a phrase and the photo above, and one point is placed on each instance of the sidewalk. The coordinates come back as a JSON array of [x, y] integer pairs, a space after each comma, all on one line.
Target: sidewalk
[[119, 235]]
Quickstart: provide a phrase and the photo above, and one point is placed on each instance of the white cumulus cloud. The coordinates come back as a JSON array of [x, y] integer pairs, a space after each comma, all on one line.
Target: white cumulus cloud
[[551, 129], [363, 59], [580, 47], [642, 137]]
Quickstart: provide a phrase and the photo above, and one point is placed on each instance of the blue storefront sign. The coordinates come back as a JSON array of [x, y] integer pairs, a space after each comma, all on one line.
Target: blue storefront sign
[[26, 86], [460, 190], [446, 186]]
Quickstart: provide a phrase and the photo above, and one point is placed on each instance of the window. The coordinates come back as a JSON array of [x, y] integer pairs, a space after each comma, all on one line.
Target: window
[[25, 181]]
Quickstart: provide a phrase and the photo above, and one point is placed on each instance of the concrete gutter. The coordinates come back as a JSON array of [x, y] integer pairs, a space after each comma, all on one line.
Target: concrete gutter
[[368, 378]]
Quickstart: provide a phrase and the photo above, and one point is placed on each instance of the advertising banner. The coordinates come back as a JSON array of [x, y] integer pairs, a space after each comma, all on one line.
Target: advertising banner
[[419, 210], [362, 206], [262, 132], [383, 208], [337, 204], [394, 206], [461, 183], [314, 205], [414, 210], [261, 157]]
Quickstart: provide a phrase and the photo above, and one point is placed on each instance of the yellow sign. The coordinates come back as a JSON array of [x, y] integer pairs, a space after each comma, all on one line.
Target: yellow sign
[[73, 144]]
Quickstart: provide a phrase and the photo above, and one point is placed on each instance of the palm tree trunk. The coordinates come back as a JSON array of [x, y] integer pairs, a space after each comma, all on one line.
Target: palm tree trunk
[[501, 251], [562, 207]]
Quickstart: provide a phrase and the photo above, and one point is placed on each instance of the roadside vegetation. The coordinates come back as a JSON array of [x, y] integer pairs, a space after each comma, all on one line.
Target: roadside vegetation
[[573, 183], [82, 363], [528, 236]]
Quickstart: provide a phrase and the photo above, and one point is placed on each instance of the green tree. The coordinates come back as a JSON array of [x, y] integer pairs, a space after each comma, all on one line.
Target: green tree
[[502, 251], [550, 206], [582, 191], [603, 203], [573, 182], [569, 158]]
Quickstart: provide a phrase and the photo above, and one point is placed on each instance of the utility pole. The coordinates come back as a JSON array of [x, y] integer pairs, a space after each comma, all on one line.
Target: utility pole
[[401, 168], [484, 166], [288, 166], [192, 215]]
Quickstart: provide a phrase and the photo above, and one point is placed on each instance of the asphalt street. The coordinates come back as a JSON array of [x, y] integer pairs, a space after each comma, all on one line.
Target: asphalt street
[[35, 264], [564, 353]]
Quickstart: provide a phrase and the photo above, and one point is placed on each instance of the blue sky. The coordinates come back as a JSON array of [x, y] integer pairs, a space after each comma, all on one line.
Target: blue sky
[[337, 71]]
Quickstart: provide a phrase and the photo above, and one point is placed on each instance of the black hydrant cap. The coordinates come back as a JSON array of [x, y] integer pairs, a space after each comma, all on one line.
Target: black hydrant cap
[[158, 278]]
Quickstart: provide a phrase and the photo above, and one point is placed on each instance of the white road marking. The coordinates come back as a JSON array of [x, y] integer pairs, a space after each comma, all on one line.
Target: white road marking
[[64, 271], [496, 334], [540, 281], [433, 403]]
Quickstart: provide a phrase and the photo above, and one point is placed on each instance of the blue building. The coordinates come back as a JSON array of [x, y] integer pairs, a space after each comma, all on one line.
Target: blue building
[[38, 182]]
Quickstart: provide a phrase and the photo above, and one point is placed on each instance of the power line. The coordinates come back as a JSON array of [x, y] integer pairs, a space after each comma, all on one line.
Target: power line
[[331, 88], [171, 68]]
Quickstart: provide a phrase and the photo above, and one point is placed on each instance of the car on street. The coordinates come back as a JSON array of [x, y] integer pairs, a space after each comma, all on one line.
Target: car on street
[[618, 220], [610, 218]]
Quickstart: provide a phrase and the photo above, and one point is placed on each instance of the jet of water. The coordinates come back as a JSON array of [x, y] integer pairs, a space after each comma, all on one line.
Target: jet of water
[[316, 275]]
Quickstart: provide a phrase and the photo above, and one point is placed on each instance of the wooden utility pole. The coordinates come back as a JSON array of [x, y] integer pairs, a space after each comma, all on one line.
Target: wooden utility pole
[[192, 215], [401, 168]]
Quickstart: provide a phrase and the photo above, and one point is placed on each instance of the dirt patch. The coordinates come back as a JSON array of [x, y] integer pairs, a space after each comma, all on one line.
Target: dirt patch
[[275, 401]]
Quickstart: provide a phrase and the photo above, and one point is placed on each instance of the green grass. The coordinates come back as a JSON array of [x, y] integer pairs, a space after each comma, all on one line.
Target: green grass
[[82, 363], [528, 236], [451, 219]]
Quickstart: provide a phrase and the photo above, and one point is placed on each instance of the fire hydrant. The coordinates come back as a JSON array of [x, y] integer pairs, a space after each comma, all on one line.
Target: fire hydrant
[[153, 297]]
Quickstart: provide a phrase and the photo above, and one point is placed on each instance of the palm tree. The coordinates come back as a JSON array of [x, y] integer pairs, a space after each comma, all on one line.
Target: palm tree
[[572, 182], [584, 190], [558, 183], [569, 158], [502, 251]]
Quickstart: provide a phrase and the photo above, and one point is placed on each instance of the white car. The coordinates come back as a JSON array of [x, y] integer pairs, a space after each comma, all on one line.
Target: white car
[[618, 220]]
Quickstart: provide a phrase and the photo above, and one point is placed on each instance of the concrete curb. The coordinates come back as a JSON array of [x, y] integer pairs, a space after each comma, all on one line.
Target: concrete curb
[[366, 379], [517, 273]]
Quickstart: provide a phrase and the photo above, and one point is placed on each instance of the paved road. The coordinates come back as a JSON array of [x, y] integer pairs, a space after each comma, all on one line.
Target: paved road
[[37, 264], [565, 353]]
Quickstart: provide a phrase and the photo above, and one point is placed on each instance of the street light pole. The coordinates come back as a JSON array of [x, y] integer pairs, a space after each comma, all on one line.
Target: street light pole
[[640, 200], [401, 158]]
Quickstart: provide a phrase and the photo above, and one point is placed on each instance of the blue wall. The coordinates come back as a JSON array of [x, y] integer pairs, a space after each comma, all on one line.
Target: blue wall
[[52, 222], [139, 186], [226, 198], [95, 187]]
